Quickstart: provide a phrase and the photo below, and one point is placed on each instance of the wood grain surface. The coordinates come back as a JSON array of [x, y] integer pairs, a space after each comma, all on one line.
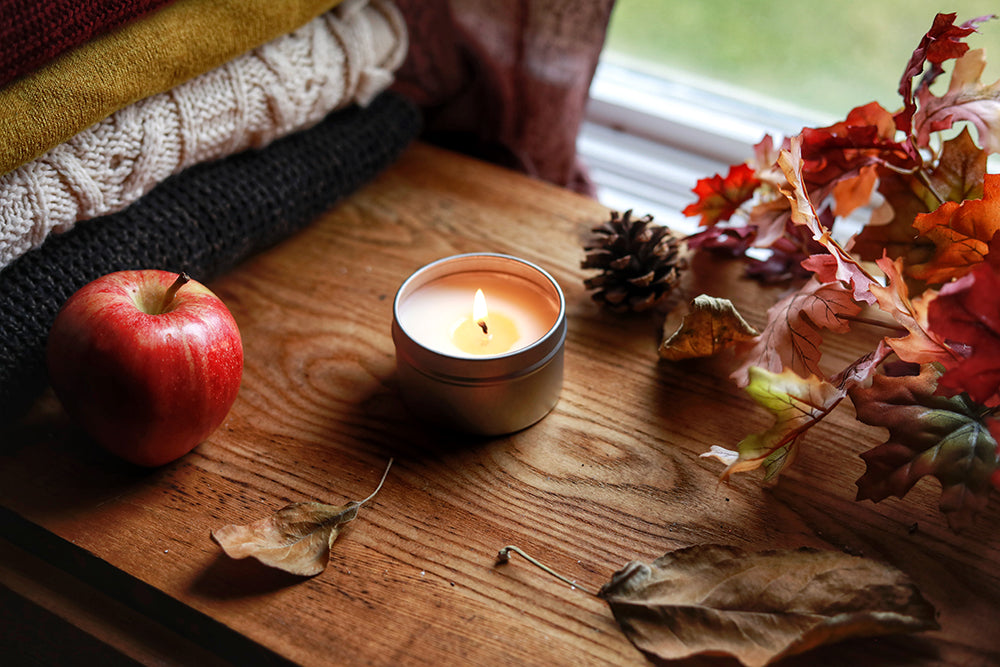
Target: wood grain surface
[[611, 475]]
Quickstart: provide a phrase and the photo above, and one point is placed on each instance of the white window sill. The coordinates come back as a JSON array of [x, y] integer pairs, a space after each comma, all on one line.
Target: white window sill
[[646, 140]]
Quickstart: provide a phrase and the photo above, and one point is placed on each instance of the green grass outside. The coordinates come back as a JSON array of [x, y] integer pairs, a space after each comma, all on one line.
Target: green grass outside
[[821, 56]]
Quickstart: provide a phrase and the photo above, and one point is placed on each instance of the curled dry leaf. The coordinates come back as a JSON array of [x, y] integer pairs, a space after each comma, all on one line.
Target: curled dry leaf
[[711, 326], [759, 607], [296, 538]]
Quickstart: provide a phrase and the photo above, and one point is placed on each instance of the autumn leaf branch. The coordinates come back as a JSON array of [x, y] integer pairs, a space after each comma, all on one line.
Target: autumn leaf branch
[[934, 237]]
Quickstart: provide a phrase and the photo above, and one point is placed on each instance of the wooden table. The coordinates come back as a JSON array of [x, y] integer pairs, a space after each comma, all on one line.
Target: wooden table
[[102, 559]]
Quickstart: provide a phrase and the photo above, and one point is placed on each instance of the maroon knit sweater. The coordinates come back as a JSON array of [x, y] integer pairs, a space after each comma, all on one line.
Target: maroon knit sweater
[[33, 32]]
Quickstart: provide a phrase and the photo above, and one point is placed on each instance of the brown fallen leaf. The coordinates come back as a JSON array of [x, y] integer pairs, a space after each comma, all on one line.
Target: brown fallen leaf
[[760, 607], [712, 325], [715, 600], [296, 538]]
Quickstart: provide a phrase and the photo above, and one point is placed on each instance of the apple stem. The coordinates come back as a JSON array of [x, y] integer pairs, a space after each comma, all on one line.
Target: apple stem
[[182, 278]]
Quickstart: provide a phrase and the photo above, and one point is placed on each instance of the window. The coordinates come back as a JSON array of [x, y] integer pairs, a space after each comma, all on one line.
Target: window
[[685, 89]]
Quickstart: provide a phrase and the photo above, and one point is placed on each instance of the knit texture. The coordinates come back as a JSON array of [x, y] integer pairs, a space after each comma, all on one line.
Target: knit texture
[[33, 32], [345, 56], [203, 221], [149, 56]]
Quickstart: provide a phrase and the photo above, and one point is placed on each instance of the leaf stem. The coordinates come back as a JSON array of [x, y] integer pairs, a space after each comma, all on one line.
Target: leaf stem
[[870, 321], [379, 487], [168, 296], [503, 556], [925, 179]]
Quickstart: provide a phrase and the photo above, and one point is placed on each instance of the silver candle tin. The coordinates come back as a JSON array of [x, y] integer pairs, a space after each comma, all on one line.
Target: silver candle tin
[[490, 395]]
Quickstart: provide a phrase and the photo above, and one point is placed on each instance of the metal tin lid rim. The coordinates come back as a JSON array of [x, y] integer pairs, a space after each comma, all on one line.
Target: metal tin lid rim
[[420, 355], [486, 380], [475, 369]]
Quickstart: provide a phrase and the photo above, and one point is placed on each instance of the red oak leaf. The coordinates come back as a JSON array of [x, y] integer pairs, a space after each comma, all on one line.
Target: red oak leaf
[[960, 232], [966, 99], [866, 137], [793, 335], [719, 198], [848, 270], [947, 438], [967, 311], [941, 43]]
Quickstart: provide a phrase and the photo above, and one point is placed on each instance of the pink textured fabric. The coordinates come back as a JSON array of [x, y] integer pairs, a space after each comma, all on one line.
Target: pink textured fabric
[[33, 32], [506, 80]]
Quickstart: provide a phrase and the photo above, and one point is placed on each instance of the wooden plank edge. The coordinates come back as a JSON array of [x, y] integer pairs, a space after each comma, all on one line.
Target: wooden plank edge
[[91, 606]]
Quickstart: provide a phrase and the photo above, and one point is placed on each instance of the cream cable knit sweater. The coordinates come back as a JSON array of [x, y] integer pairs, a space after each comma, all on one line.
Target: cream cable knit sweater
[[346, 56]]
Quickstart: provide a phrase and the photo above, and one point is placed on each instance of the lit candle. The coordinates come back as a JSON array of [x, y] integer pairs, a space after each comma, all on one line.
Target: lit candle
[[479, 342], [483, 333], [440, 314]]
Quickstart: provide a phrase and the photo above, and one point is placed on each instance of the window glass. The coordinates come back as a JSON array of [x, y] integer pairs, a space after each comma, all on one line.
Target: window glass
[[817, 55]]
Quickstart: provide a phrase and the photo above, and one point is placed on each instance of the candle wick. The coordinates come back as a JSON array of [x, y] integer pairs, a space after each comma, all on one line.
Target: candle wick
[[482, 325]]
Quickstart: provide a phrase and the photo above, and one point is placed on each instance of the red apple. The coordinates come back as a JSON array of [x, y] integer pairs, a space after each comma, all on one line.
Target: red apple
[[147, 362]]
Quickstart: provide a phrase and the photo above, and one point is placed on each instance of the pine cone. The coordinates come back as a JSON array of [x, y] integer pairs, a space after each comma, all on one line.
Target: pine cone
[[640, 262]]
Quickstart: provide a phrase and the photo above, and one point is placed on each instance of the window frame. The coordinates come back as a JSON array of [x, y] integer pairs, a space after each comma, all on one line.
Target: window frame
[[647, 139]]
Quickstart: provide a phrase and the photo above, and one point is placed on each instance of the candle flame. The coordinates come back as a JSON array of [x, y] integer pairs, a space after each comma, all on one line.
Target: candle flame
[[479, 312]]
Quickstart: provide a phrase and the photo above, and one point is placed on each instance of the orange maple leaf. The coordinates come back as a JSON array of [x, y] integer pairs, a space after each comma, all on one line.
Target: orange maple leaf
[[854, 192], [920, 345], [961, 233], [719, 198]]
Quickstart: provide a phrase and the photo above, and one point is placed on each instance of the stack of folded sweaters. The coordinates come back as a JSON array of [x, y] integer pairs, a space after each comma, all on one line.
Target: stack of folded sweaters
[[176, 134]]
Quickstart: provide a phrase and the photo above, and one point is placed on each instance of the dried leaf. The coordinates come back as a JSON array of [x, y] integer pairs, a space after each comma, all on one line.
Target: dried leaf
[[712, 325], [297, 538], [759, 607]]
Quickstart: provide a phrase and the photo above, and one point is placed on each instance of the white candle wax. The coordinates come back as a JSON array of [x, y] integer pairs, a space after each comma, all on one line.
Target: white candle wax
[[437, 313], [491, 373]]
